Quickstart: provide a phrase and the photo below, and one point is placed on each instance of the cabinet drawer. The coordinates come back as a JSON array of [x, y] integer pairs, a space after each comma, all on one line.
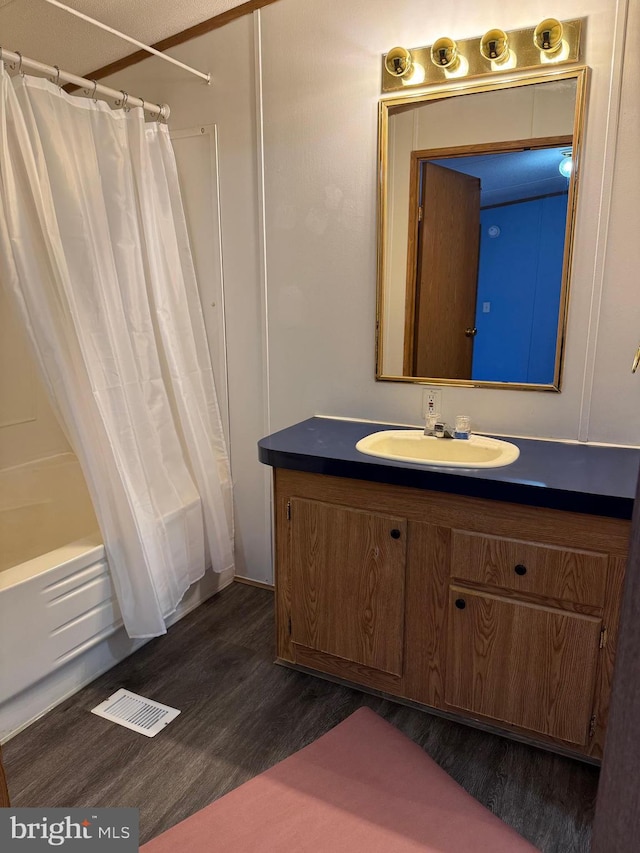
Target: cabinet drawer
[[561, 574]]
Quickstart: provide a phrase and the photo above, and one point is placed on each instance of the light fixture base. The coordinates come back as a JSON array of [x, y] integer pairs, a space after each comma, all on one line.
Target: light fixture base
[[523, 54]]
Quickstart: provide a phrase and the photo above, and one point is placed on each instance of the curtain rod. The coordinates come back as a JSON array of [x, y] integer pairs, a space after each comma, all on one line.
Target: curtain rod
[[77, 14], [90, 86]]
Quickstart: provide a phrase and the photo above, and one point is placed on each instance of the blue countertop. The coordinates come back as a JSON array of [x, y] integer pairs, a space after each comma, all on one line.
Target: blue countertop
[[573, 477]]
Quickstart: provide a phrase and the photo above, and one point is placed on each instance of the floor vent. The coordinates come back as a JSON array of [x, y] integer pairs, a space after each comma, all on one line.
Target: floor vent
[[135, 712]]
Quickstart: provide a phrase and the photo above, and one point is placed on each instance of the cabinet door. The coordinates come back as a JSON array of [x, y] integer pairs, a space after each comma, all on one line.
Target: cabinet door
[[347, 583], [521, 663]]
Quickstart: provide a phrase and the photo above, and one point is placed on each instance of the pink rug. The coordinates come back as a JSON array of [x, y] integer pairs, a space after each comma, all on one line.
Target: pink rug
[[362, 788]]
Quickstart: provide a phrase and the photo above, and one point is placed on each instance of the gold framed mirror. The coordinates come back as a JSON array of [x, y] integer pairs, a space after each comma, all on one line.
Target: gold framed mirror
[[477, 198]]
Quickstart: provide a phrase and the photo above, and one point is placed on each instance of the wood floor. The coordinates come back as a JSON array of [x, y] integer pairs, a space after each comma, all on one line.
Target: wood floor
[[241, 714]]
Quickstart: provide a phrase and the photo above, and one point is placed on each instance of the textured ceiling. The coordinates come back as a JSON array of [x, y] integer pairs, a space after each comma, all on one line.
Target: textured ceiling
[[55, 37]]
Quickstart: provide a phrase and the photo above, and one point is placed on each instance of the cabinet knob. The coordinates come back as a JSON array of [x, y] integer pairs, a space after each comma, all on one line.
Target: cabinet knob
[[461, 603], [395, 533], [520, 569]]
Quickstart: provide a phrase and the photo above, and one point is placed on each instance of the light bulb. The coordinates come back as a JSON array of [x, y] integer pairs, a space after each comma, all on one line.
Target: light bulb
[[566, 166]]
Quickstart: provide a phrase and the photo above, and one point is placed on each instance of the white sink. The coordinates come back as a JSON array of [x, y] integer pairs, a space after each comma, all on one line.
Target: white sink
[[412, 445]]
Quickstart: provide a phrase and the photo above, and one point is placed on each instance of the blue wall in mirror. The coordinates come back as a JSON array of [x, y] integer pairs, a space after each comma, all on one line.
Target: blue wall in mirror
[[523, 215], [519, 282]]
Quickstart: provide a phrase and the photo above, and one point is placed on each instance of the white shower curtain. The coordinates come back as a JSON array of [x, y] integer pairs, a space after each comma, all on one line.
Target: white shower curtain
[[94, 247]]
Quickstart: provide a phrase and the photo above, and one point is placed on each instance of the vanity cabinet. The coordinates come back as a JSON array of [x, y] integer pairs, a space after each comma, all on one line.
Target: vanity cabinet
[[498, 614]]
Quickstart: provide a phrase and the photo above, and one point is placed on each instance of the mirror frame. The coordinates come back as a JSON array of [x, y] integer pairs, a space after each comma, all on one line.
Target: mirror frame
[[581, 76]]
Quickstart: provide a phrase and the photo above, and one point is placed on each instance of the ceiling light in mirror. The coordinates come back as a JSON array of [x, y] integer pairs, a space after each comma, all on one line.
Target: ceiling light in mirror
[[565, 166]]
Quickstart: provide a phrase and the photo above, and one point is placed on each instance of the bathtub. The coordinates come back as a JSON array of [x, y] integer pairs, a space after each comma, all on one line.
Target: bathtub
[[60, 624], [56, 596]]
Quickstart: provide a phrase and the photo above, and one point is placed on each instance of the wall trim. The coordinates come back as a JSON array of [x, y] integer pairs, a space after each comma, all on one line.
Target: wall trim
[[196, 30], [263, 268], [252, 582], [606, 197]]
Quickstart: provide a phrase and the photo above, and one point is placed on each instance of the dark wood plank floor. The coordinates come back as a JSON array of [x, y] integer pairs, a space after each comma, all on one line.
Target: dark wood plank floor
[[241, 714]]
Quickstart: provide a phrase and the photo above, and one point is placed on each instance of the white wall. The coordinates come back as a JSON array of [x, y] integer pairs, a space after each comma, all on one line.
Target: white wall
[[300, 327]]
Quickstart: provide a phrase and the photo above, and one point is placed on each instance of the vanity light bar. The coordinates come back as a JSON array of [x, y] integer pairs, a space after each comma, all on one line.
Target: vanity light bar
[[548, 44]]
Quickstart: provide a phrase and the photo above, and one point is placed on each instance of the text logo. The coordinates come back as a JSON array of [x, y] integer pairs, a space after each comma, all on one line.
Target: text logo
[[79, 830]]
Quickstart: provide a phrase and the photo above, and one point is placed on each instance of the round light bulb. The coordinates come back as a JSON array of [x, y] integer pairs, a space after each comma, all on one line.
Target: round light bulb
[[547, 36], [398, 62], [444, 53], [494, 46], [566, 166]]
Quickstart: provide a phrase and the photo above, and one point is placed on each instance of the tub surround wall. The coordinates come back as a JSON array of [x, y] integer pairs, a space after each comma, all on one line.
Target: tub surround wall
[[29, 429], [43, 506]]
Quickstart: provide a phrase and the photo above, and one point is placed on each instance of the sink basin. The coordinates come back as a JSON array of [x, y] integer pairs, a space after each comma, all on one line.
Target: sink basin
[[412, 445]]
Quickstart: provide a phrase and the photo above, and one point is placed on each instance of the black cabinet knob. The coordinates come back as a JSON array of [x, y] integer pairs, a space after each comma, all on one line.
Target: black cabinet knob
[[520, 569], [395, 533], [461, 603]]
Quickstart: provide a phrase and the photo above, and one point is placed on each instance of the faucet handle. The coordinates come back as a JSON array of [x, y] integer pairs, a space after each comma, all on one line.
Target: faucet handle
[[443, 430]]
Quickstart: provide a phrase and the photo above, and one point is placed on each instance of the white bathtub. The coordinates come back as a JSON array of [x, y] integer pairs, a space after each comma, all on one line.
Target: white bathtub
[[56, 596], [60, 624]]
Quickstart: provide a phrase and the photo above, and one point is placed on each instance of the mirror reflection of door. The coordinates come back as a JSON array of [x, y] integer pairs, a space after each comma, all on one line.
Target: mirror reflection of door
[[485, 261], [442, 311]]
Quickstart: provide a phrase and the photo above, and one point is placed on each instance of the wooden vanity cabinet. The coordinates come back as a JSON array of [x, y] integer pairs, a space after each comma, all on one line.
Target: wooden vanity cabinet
[[499, 614]]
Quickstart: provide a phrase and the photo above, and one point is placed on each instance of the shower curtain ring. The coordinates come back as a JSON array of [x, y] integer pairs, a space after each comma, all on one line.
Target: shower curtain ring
[[57, 80], [93, 94], [20, 71]]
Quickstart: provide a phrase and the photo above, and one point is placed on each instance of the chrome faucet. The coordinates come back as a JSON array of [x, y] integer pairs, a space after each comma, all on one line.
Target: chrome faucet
[[438, 429]]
